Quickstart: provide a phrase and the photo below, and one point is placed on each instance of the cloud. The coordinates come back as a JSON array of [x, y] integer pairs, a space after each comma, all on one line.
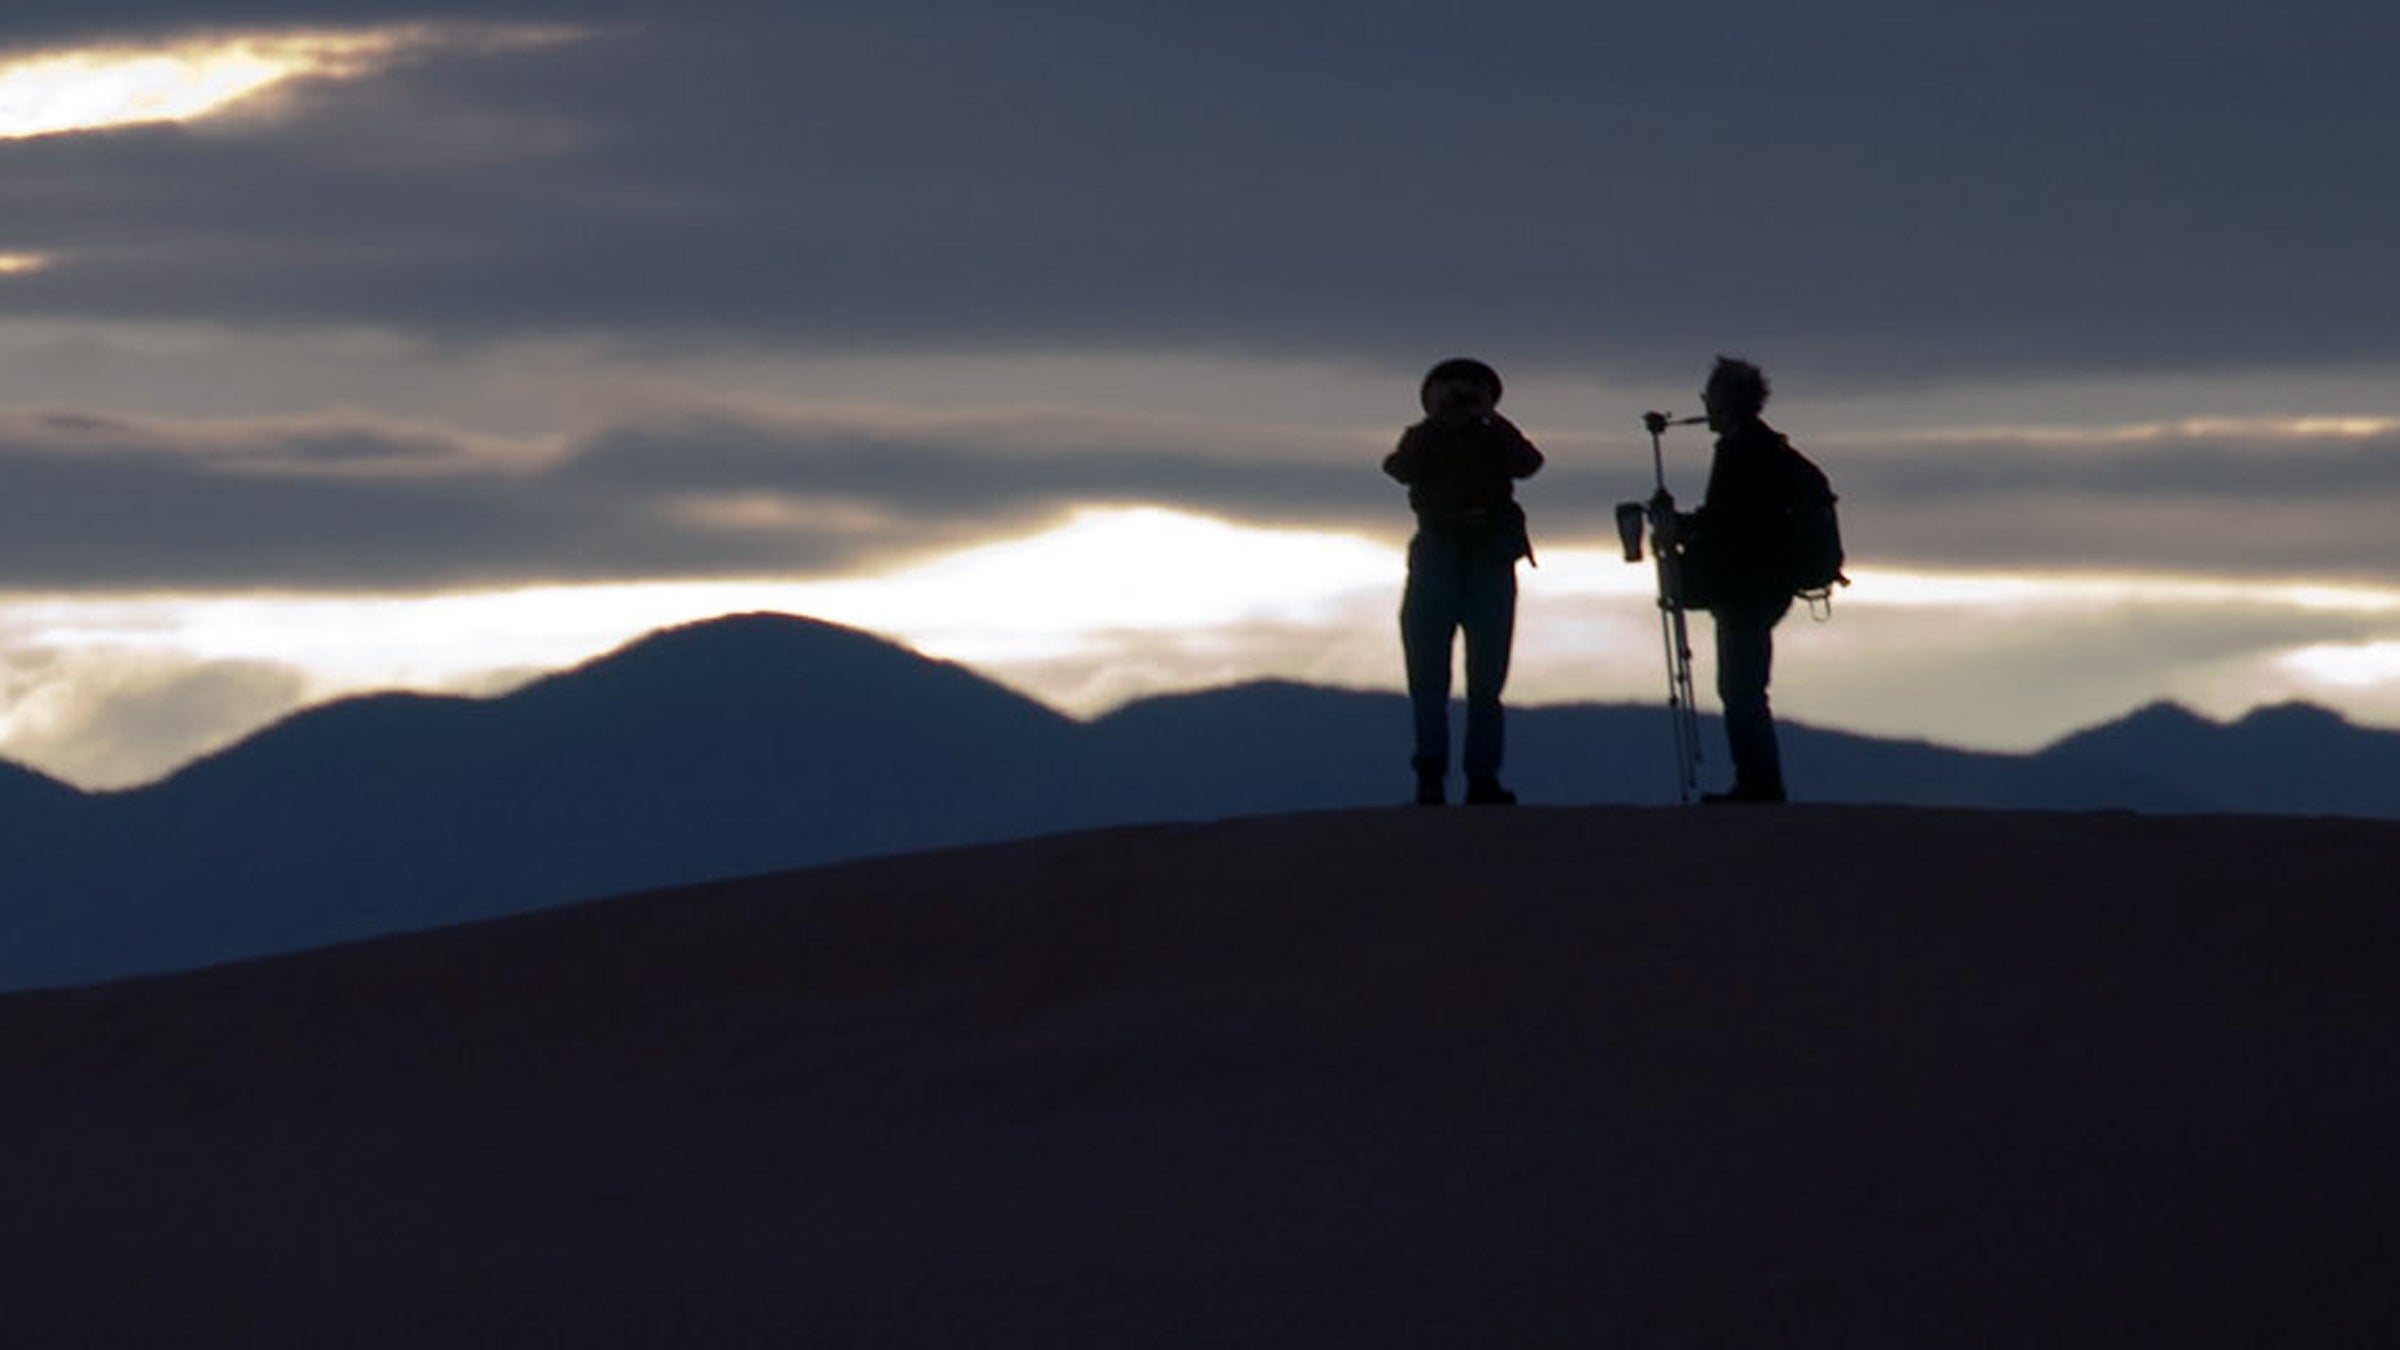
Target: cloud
[[2295, 497], [89, 89], [1887, 197], [101, 503], [96, 503], [2019, 679], [496, 315], [110, 718], [114, 715]]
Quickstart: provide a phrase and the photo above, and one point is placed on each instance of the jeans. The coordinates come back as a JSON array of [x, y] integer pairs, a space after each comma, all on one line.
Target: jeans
[[1459, 582], [1745, 662]]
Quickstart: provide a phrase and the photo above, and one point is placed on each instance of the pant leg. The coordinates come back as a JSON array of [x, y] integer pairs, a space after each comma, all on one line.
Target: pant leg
[[1745, 665], [1429, 616], [1490, 620]]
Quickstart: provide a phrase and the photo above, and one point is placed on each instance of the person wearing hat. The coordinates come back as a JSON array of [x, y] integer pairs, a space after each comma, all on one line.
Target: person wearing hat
[[1461, 464]]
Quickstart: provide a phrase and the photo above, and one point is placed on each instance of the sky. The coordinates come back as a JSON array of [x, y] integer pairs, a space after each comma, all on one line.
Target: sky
[[350, 346]]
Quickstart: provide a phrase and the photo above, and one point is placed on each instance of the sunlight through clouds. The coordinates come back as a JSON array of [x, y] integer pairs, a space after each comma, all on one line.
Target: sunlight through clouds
[[2267, 429], [1103, 571], [91, 89], [1116, 568], [2348, 665], [1119, 603], [2097, 590]]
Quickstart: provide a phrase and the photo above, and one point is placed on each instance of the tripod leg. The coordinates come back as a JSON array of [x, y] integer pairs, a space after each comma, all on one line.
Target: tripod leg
[[1682, 707], [1683, 704]]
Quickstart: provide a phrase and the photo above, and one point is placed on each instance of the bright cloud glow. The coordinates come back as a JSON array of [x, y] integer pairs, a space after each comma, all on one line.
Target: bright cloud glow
[[1112, 570], [1107, 572], [1038, 605], [2364, 665], [1123, 603], [93, 88], [2190, 428], [1141, 568], [2094, 591], [20, 264], [83, 91]]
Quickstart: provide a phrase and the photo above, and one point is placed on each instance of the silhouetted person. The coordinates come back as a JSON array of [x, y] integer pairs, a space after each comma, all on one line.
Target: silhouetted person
[[1730, 548], [1461, 464]]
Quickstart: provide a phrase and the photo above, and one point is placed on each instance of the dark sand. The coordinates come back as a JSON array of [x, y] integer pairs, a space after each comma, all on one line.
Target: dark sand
[[1811, 1076]]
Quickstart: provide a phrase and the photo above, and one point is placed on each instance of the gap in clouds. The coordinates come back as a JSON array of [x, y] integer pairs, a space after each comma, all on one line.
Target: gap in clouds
[[108, 717], [114, 696], [132, 82]]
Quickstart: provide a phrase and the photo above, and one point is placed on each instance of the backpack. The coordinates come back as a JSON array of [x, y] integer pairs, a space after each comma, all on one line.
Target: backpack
[[1808, 558]]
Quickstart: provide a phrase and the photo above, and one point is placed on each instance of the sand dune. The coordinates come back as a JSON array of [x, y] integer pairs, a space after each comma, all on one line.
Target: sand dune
[[753, 743], [1813, 1076]]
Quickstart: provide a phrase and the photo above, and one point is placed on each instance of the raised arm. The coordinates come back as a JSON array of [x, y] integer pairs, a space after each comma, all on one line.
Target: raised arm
[[1405, 462]]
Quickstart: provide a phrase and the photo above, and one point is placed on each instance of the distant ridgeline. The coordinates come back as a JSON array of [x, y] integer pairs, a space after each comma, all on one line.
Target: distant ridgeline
[[760, 742]]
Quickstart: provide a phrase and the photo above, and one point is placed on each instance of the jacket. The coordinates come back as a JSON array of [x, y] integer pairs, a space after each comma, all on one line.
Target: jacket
[[1461, 469], [1732, 543]]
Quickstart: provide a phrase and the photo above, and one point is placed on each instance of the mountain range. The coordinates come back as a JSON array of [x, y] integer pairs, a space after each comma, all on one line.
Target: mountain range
[[759, 742]]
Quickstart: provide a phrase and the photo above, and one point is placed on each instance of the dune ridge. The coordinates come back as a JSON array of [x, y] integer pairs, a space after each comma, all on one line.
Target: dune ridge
[[1815, 1075]]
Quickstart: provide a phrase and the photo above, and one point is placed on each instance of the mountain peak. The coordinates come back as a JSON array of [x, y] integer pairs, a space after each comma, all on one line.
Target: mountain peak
[[2295, 717], [755, 657], [2164, 713], [759, 636], [2164, 720]]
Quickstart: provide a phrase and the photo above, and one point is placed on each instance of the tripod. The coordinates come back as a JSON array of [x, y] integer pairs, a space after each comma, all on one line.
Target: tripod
[[1659, 511]]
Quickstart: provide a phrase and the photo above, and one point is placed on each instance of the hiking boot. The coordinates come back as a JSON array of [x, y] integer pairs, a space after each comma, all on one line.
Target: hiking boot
[[1485, 790], [1741, 795], [1429, 787]]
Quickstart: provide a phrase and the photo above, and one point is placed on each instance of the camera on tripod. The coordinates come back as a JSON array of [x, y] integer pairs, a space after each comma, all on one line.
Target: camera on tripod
[[1658, 515], [1631, 517], [1659, 511]]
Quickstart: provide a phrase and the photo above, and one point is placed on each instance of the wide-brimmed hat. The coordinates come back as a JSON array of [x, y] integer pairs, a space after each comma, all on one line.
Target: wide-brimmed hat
[[1458, 368]]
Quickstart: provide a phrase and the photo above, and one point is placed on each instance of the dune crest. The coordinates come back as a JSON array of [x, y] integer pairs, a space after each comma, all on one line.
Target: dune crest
[[1797, 1076]]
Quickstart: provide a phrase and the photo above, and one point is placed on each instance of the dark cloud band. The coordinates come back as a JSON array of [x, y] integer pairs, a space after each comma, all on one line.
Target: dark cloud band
[[1985, 191], [95, 504]]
